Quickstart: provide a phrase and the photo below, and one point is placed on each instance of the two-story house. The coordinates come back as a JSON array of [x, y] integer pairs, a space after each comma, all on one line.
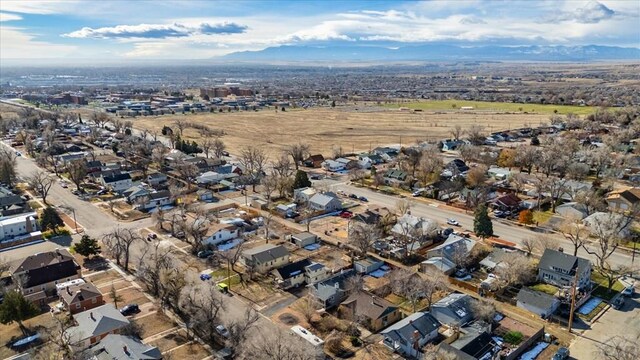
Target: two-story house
[[625, 200], [333, 290], [265, 257], [559, 269], [37, 275], [299, 273], [219, 233], [376, 313], [409, 335], [454, 309], [117, 182]]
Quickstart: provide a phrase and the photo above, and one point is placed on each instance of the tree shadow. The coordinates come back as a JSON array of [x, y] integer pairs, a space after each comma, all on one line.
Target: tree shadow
[[62, 240]]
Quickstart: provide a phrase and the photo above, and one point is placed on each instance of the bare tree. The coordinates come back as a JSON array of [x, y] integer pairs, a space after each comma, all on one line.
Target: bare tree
[[118, 243], [403, 206], [515, 269], [362, 236], [41, 183], [476, 134], [206, 144], [181, 125], [7, 166], [619, 348], [253, 160], [307, 307], [298, 152], [201, 308], [60, 338], [477, 176], [414, 287], [239, 329], [188, 172], [574, 230], [484, 310], [469, 152], [158, 154], [218, 147], [279, 345], [99, 118], [456, 132], [77, 171]]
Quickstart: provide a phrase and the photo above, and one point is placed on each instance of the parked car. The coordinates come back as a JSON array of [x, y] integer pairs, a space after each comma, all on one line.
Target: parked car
[[315, 177], [346, 214], [152, 236], [628, 291], [220, 329], [353, 196], [203, 254], [562, 354], [498, 213], [64, 184], [225, 153], [446, 232], [416, 193], [362, 198], [453, 222], [205, 277], [130, 309], [461, 273]]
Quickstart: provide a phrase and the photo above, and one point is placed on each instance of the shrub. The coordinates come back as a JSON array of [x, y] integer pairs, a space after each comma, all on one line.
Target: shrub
[[513, 337], [355, 341]]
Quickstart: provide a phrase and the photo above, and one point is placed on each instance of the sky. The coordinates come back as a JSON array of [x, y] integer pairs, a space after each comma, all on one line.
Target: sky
[[182, 29]]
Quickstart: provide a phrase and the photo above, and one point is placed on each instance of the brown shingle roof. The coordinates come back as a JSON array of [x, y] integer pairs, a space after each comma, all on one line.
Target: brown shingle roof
[[369, 305], [78, 293], [631, 195]]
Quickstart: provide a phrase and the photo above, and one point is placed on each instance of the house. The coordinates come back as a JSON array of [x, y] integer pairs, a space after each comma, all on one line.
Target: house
[[537, 302], [136, 192], [348, 163], [212, 177], [154, 200], [37, 275], [376, 313], [450, 145], [475, 341], [376, 216], [495, 258], [499, 173], [367, 160], [156, 179], [367, 265], [457, 167], [265, 257], [302, 195], [386, 153], [410, 334], [205, 195], [314, 161], [65, 159], [333, 166], [298, 273], [117, 182], [18, 228], [219, 233], [438, 263], [454, 248], [599, 221], [95, 324], [395, 177], [454, 310], [93, 166], [324, 203], [286, 210], [559, 269], [120, 347], [332, 291], [626, 200], [416, 228], [11, 204], [572, 210], [303, 239], [80, 297], [508, 202]]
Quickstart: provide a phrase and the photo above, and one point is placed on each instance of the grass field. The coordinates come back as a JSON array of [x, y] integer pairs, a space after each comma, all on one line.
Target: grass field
[[453, 105], [324, 128]]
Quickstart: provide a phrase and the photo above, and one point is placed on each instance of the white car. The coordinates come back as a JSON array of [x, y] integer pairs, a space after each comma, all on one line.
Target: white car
[[628, 291], [223, 331], [453, 222]]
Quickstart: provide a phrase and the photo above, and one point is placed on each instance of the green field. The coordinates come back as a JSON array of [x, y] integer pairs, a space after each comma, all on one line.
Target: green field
[[448, 105]]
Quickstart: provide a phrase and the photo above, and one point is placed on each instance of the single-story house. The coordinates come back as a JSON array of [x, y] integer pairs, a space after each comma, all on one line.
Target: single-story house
[[499, 173], [331, 165], [367, 265], [537, 302], [95, 324], [286, 209], [453, 248], [348, 163], [455, 309], [559, 269], [303, 239], [205, 195], [416, 228], [136, 192], [572, 210], [510, 202], [599, 220], [265, 257], [495, 258], [314, 161], [386, 153], [375, 216], [212, 177], [623, 200], [81, 297], [117, 182], [438, 263], [375, 312], [325, 203], [156, 179], [120, 347], [395, 177], [410, 334], [219, 233], [332, 291]]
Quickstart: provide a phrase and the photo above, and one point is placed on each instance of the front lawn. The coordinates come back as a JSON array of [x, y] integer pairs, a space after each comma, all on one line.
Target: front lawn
[[541, 217], [545, 288], [601, 290]]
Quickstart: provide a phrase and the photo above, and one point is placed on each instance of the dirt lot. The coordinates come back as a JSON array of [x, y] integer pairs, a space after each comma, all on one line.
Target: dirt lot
[[324, 128]]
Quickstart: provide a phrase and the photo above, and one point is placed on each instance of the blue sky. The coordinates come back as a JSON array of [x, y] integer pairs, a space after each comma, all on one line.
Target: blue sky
[[183, 29]]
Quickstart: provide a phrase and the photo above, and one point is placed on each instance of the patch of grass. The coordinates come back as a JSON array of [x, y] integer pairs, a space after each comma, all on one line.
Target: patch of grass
[[545, 288], [448, 105], [35, 205], [513, 337], [541, 217], [602, 281]]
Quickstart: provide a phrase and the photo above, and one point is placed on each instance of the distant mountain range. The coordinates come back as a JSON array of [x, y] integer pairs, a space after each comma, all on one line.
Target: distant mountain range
[[436, 53]]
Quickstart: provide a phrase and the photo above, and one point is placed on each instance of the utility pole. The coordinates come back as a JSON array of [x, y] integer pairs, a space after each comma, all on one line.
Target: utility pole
[[573, 300]]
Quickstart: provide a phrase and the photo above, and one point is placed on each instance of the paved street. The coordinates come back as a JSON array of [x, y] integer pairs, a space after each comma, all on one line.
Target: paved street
[[440, 212]]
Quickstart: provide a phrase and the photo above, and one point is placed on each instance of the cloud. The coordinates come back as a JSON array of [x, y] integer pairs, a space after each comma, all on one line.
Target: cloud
[[156, 31], [591, 13], [471, 20], [9, 17], [15, 44]]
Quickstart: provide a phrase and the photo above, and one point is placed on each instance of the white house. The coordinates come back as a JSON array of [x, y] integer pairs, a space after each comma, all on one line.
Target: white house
[[117, 182], [154, 200], [219, 233], [18, 226], [303, 195], [332, 165], [212, 177]]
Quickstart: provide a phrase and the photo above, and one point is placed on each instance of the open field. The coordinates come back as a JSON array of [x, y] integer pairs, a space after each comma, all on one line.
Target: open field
[[448, 105], [325, 128]]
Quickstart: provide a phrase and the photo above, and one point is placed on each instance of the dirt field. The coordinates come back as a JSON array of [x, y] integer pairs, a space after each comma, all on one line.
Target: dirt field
[[325, 129]]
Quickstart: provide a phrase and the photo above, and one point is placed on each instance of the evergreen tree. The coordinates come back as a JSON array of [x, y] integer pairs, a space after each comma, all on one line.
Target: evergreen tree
[[301, 180], [87, 246], [482, 224], [50, 220], [16, 308]]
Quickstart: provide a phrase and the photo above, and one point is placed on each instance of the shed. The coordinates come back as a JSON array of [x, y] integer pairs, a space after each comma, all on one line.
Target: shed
[[368, 265], [304, 239]]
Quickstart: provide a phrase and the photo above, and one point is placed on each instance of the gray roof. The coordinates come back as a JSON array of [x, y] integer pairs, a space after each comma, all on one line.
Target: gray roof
[[456, 305], [266, 253], [327, 288], [536, 299], [569, 263], [304, 236], [97, 321], [494, 258], [321, 199], [422, 322], [112, 347]]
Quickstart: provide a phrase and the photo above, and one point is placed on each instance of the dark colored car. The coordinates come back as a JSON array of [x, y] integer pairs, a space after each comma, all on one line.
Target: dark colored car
[[204, 254], [362, 198], [561, 354], [130, 309], [353, 196]]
